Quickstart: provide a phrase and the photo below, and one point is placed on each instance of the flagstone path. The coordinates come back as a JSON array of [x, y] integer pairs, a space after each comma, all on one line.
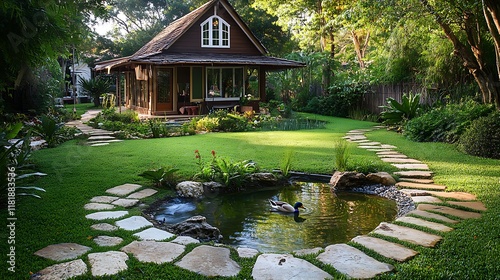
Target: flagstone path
[[437, 212], [97, 137]]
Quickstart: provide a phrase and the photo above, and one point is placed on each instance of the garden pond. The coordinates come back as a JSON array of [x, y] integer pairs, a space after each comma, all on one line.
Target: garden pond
[[246, 219]]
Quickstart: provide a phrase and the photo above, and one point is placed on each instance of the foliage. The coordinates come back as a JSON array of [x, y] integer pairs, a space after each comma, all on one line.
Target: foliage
[[225, 171], [164, 176], [95, 87], [482, 138], [446, 123], [341, 153], [108, 101], [51, 130], [286, 162], [396, 113]]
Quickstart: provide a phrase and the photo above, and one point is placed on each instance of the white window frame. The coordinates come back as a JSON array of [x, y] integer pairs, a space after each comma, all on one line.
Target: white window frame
[[209, 97], [223, 25]]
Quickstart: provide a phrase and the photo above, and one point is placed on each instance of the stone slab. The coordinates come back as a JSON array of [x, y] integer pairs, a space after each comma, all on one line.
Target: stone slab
[[386, 146], [99, 144], [98, 206], [353, 262], [142, 194], [104, 215], [363, 146], [185, 240], [355, 137], [107, 241], [424, 223], [133, 223], [449, 211], [371, 144], [385, 248], [62, 251], [247, 252], [124, 189], [395, 155], [105, 141], [104, 227], [210, 261], [379, 150], [154, 252], [303, 252], [388, 153], [103, 137], [103, 199], [476, 205], [400, 160], [410, 185], [419, 181], [360, 141], [107, 263], [415, 174], [154, 234], [125, 202], [285, 267], [426, 199], [411, 166], [407, 234], [415, 192], [455, 195], [61, 271], [434, 216]]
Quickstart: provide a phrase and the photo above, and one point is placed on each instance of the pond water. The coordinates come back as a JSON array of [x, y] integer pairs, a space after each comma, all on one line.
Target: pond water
[[246, 220]]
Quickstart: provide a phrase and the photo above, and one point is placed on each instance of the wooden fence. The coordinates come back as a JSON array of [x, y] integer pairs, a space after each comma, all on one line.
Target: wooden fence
[[377, 96]]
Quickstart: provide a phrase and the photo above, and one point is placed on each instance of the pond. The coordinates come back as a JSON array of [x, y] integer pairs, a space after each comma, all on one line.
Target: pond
[[246, 219]]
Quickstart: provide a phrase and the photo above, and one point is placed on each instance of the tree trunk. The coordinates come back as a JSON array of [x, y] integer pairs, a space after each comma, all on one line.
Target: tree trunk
[[491, 10], [360, 50]]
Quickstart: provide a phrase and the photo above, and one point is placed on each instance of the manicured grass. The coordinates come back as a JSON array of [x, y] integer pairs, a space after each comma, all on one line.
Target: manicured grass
[[78, 172]]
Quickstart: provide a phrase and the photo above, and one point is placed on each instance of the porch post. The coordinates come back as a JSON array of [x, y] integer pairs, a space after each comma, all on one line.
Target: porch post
[[118, 91]]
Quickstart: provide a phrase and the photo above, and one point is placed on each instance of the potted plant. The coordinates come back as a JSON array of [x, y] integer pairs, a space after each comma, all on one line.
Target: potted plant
[[244, 103]]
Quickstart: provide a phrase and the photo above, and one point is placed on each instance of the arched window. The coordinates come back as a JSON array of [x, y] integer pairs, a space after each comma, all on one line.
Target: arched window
[[215, 33]]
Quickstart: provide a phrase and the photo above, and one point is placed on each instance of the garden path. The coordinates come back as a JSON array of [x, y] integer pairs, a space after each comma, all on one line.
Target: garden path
[[97, 137], [438, 212]]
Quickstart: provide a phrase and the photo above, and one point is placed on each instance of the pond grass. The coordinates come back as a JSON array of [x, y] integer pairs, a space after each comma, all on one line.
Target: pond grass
[[78, 172]]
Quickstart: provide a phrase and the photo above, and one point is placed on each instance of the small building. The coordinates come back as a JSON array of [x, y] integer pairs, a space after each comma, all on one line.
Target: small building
[[207, 59]]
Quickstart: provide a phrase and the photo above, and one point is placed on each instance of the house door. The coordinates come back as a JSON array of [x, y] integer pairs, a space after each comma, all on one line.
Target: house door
[[164, 96]]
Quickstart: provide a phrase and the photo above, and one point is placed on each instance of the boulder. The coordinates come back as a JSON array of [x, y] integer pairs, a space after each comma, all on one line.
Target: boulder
[[189, 189], [196, 227], [347, 180], [383, 178]]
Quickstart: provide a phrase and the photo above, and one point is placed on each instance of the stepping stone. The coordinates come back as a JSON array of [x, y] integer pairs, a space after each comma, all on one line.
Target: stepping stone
[[104, 137], [379, 150], [104, 227], [247, 252], [210, 261], [418, 181], [415, 174], [98, 206], [124, 189], [411, 185], [105, 141], [99, 144], [389, 153], [476, 205], [370, 148], [371, 144], [407, 234], [396, 155], [455, 195], [154, 234], [133, 223], [142, 194], [353, 262], [386, 146], [103, 199], [385, 248], [430, 215], [107, 263], [62, 271], [185, 240], [415, 192], [449, 211], [416, 166], [107, 241], [125, 202], [154, 252], [62, 251], [360, 141], [424, 223], [400, 160], [284, 267], [303, 252], [355, 137], [426, 199], [106, 215]]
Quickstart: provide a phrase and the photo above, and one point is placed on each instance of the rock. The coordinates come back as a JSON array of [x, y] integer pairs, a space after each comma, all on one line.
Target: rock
[[210, 261], [104, 227], [104, 199], [107, 241], [196, 227], [125, 202], [185, 240], [408, 234], [107, 263], [189, 189], [98, 206], [133, 223], [247, 252], [155, 252], [383, 178], [61, 271], [347, 180], [385, 248], [153, 234], [142, 194], [104, 215], [124, 189], [304, 252], [286, 267], [62, 251]]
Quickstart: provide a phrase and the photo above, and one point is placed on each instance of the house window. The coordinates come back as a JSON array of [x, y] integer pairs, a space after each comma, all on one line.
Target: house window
[[215, 33], [224, 83]]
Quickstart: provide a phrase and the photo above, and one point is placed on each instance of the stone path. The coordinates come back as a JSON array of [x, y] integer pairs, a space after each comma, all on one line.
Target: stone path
[[437, 212], [97, 137]]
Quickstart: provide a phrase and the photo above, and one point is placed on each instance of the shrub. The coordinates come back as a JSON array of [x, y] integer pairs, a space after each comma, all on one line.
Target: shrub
[[445, 124], [52, 131], [164, 176], [399, 113], [482, 138]]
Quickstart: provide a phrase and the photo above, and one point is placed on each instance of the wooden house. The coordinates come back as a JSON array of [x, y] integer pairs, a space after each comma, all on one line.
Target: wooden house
[[207, 59]]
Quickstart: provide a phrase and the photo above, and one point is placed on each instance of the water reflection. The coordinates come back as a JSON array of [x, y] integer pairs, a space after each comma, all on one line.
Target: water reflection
[[246, 219]]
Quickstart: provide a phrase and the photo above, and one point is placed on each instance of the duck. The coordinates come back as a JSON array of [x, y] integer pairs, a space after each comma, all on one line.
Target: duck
[[286, 207]]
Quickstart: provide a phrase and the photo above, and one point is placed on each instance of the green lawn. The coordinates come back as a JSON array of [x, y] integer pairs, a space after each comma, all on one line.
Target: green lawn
[[77, 173]]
